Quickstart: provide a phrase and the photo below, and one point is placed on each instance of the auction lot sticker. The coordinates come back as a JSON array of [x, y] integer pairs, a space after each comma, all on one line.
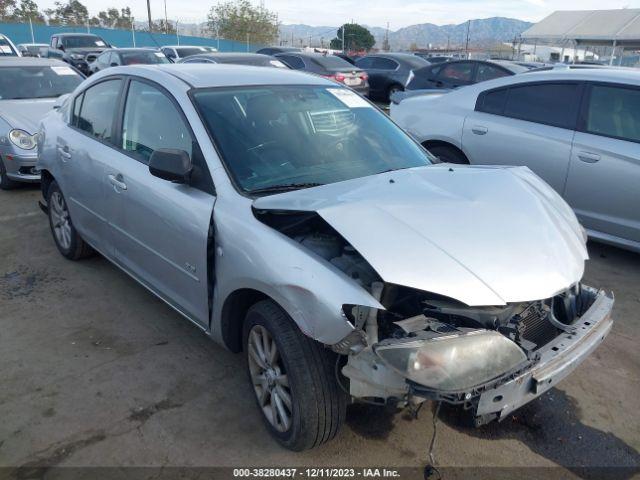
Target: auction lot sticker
[[349, 98]]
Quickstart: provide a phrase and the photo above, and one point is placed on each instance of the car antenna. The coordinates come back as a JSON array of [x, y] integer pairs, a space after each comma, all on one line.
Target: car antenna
[[430, 469]]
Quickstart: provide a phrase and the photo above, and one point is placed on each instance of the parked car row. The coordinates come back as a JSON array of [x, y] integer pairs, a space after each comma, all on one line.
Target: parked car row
[[292, 220]]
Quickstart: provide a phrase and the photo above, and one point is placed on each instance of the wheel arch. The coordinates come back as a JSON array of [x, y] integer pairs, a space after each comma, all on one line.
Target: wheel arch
[[45, 182], [234, 311], [441, 143]]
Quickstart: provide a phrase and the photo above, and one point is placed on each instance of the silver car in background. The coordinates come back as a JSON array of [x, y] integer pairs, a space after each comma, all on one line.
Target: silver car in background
[[578, 129], [289, 218], [29, 88]]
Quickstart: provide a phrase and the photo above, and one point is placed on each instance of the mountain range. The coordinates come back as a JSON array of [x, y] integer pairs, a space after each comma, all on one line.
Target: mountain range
[[482, 32]]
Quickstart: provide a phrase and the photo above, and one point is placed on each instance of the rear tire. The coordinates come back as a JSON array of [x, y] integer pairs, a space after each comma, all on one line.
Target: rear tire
[[394, 89], [447, 154], [5, 182], [67, 239], [303, 368]]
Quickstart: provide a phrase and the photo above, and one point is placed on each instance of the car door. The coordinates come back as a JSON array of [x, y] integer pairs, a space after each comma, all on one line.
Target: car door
[[603, 185], [160, 228], [529, 124], [85, 146]]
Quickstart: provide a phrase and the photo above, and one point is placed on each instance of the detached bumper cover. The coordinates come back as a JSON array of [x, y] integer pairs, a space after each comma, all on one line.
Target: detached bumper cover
[[557, 360]]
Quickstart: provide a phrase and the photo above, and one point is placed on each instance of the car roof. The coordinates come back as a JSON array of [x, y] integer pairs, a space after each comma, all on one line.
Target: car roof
[[75, 35], [199, 75], [182, 46], [214, 55], [29, 62], [607, 74]]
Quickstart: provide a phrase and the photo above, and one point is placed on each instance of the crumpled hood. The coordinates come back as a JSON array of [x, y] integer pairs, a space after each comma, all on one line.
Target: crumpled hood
[[482, 235], [25, 114]]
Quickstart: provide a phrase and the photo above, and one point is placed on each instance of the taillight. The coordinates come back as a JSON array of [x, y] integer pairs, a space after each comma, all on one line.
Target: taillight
[[364, 77], [339, 77]]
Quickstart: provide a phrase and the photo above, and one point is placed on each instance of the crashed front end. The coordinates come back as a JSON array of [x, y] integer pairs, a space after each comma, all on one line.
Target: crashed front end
[[489, 360], [476, 273]]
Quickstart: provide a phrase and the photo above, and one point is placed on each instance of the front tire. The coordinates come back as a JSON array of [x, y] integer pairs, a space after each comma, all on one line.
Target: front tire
[[5, 182], [293, 379], [67, 239]]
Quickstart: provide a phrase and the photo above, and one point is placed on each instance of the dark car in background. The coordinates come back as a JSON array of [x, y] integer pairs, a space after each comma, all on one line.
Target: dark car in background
[[328, 66], [29, 88], [127, 56], [389, 72], [252, 59], [460, 73], [176, 52], [274, 50], [77, 49]]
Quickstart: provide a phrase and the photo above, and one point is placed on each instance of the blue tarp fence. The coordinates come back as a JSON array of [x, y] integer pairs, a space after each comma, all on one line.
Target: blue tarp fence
[[21, 33]]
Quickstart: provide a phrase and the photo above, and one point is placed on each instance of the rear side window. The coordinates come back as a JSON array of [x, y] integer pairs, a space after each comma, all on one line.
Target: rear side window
[[553, 104], [489, 72], [614, 112], [492, 101], [366, 62], [294, 62], [457, 71], [384, 63], [98, 109]]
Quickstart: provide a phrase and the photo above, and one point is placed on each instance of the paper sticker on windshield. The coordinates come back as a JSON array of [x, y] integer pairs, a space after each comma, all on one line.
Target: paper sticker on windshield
[[100, 43], [5, 49], [277, 63], [349, 98], [63, 71], [159, 54]]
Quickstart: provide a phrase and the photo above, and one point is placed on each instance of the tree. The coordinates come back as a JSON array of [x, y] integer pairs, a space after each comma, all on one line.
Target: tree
[[6, 10], [112, 18], [71, 13], [356, 37], [241, 21], [28, 10], [161, 26]]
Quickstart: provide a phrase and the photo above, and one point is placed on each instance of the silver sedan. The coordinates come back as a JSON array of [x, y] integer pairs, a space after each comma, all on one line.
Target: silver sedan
[[289, 218], [29, 88]]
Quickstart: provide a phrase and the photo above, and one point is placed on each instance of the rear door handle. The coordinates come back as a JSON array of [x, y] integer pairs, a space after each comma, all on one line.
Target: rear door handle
[[588, 157], [117, 182], [479, 130]]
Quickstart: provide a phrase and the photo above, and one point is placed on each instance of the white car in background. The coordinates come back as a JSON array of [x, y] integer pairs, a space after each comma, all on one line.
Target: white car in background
[[578, 129]]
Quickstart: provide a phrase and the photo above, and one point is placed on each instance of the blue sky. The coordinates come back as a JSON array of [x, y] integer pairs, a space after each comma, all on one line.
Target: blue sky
[[370, 12]]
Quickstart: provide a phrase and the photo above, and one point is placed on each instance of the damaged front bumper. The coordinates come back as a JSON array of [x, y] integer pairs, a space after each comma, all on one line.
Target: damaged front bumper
[[557, 360], [496, 398]]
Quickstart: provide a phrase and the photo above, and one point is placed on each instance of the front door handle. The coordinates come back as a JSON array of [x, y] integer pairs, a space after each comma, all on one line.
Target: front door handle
[[117, 182], [479, 130], [588, 157], [64, 153]]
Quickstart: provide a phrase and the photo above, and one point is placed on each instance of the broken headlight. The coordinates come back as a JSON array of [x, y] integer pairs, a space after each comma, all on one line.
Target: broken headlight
[[453, 362]]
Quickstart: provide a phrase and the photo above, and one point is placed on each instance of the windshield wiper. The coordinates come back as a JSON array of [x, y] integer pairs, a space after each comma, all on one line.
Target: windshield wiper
[[287, 187]]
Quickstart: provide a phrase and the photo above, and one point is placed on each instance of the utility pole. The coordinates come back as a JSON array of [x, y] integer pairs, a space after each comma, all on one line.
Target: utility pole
[[466, 48], [149, 14], [31, 27], [133, 33], [166, 20]]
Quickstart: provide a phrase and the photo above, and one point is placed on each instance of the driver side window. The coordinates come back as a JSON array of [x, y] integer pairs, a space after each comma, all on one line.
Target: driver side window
[[151, 122]]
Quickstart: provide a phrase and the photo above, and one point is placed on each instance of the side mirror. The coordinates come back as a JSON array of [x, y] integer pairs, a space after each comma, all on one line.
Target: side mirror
[[114, 64], [60, 100], [171, 164]]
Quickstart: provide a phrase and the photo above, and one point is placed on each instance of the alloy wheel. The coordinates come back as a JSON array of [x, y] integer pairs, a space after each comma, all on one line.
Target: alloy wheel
[[269, 378], [60, 220]]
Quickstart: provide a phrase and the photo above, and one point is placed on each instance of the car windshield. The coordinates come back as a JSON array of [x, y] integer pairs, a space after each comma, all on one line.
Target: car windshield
[[185, 52], [285, 137], [83, 42], [331, 61], [149, 57], [5, 49], [37, 82]]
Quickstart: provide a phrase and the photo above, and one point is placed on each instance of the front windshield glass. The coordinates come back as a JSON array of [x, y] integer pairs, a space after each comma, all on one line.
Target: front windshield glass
[[37, 82], [146, 58], [273, 137], [83, 41]]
